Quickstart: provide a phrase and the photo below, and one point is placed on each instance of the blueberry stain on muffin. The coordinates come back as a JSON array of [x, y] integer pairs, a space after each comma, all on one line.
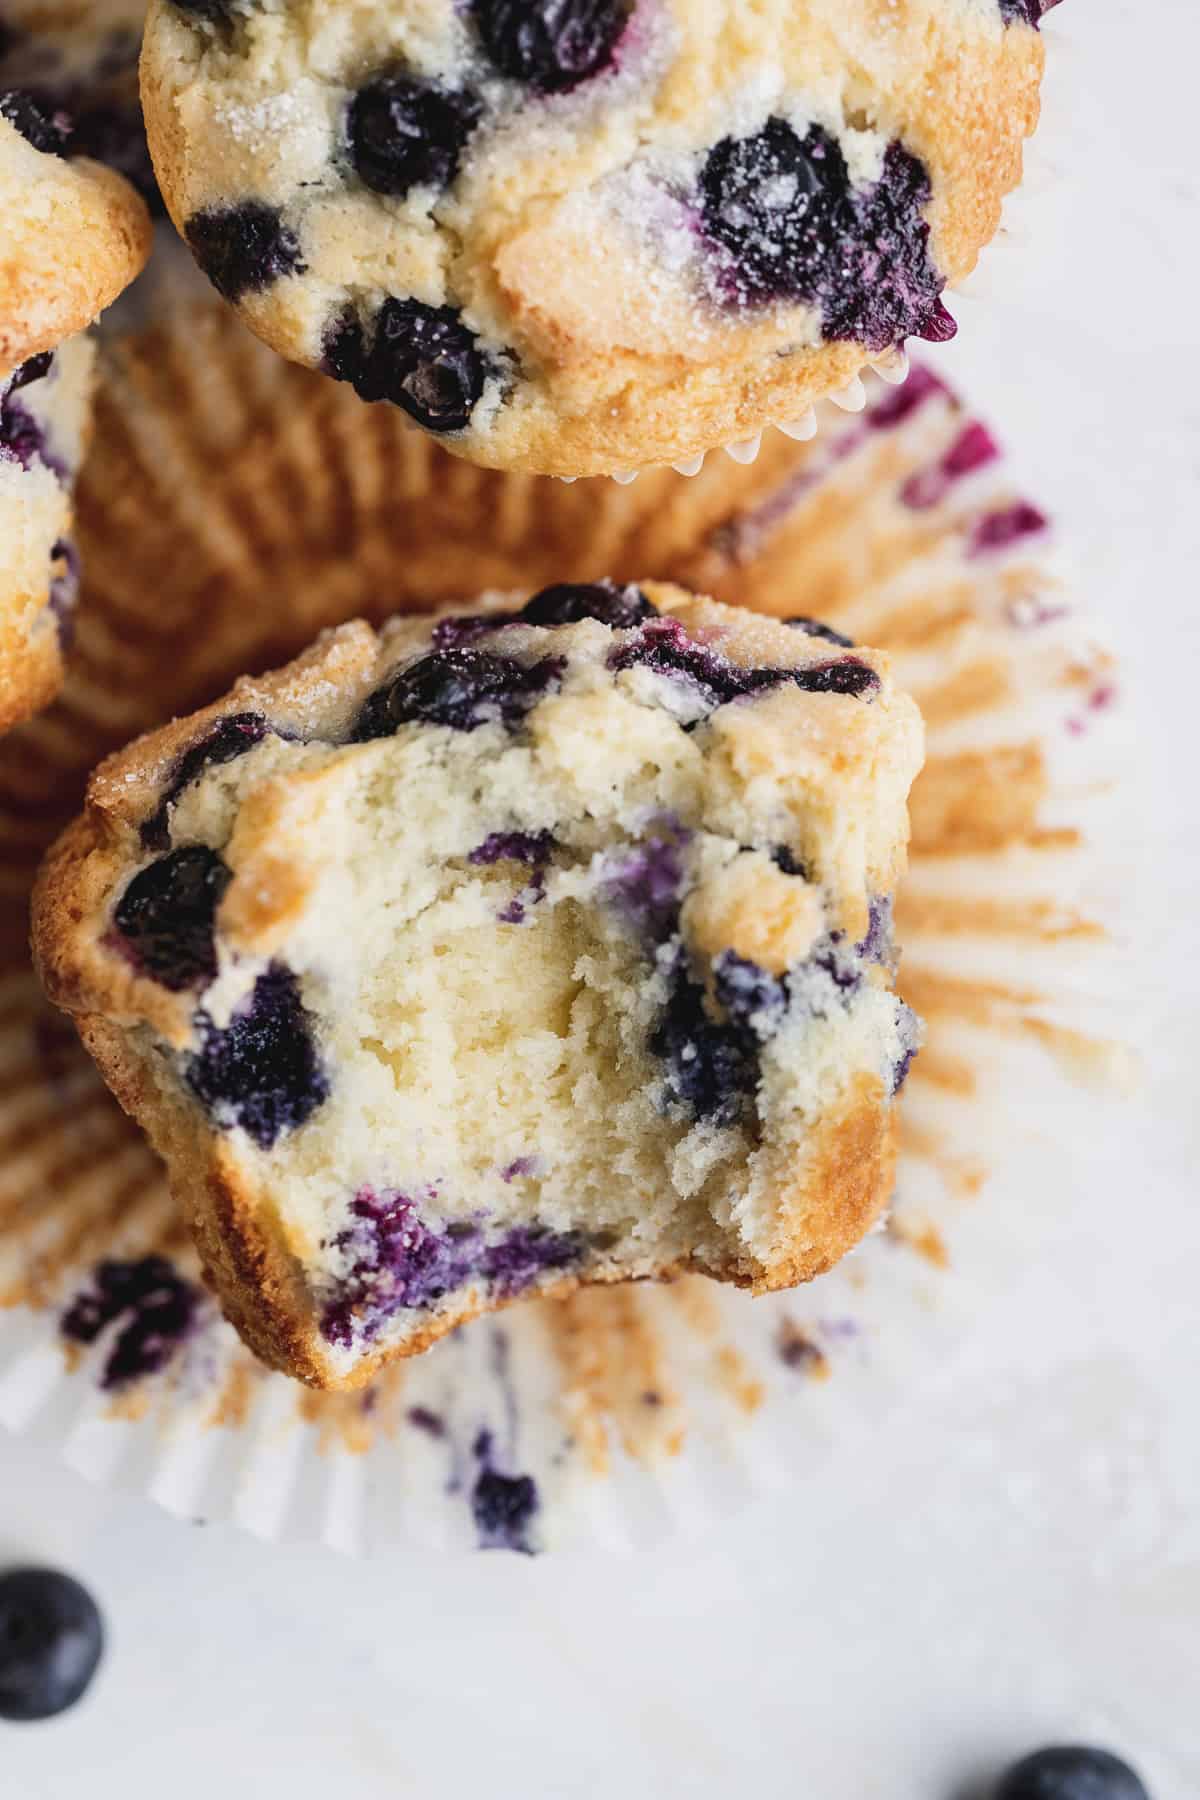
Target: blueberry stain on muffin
[[551, 45], [44, 128], [665, 647], [711, 1066], [463, 689], [224, 742], [262, 1071], [422, 358], [403, 133], [784, 222], [244, 248], [164, 920]]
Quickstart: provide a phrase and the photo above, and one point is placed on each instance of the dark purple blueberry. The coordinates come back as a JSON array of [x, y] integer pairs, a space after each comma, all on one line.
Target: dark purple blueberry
[[712, 1069], [22, 439], [532, 847], [51, 1642], [618, 607], [48, 131], [846, 676], [526, 1252], [396, 1262], [32, 370], [468, 628], [877, 945], [785, 859], [165, 917], [405, 133], [422, 1418], [785, 223], [503, 1508], [459, 688], [814, 628], [750, 998], [1072, 1772], [1030, 12], [228, 739], [551, 45], [663, 645], [243, 248], [645, 886], [422, 358], [262, 1071], [157, 1307]]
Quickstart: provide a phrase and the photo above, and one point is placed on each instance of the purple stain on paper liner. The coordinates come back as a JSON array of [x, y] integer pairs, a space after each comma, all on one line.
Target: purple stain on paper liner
[[899, 403], [974, 448], [156, 1308], [503, 1506], [798, 1350], [1001, 529], [424, 1419]]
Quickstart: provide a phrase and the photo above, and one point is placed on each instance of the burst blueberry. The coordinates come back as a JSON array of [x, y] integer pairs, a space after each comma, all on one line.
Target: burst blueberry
[[816, 628], [46, 130], [750, 997], [224, 742], [154, 1306], [618, 607], [711, 1068], [664, 646], [405, 133], [551, 45], [51, 1642], [784, 222], [459, 688], [262, 1071], [165, 917], [421, 358], [244, 248]]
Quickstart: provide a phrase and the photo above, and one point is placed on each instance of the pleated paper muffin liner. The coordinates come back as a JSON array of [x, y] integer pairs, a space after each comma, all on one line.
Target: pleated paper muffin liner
[[237, 505]]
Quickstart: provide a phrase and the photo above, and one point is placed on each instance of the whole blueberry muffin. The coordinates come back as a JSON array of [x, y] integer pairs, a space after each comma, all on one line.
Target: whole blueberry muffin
[[501, 951], [81, 61], [579, 236], [45, 412]]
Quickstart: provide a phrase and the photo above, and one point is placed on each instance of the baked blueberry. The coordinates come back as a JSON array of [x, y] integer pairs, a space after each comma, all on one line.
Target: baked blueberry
[[665, 647], [45, 130], [216, 12], [51, 1642], [155, 1307], [815, 628], [165, 917], [262, 1071], [228, 739], [405, 133], [1030, 12], [243, 248], [711, 1068], [750, 998], [459, 688], [786, 223], [1071, 1772], [551, 45], [566, 604], [422, 358]]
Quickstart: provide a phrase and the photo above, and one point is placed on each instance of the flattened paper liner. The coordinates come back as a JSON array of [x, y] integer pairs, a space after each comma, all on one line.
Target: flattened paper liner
[[237, 505]]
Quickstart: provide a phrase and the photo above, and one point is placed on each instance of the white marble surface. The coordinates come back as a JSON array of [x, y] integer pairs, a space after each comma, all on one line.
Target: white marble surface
[[1017, 1558]]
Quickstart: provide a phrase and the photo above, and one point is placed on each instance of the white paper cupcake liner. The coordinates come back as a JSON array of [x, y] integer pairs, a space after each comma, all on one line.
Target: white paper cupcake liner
[[618, 1415]]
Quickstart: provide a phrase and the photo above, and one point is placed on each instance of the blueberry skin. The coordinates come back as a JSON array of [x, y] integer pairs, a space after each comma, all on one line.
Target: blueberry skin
[[1071, 1772], [243, 248], [166, 916], [45, 131], [404, 133], [230, 737], [51, 1642], [550, 45], [463, 689], [262, 1071], [618, 607], [816, 628], [421, 358]]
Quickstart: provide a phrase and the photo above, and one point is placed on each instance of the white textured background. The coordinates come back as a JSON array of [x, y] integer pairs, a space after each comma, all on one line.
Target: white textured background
[[1017, 1558]]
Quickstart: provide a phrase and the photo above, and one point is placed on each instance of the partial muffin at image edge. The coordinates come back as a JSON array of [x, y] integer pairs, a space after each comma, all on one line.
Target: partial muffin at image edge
[[584, 248], [508, 950]]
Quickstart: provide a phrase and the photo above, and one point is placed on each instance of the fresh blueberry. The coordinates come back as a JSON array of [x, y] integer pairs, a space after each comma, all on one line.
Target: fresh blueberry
[[551, 45], [262, 1071], [243, 248], [228, 739], [712, 1069], [784, 222], [1071, 1772], [48, 131], [51, 1642], [618, 607], [459, 688], [405, 133], [157, 1308], [165, 917], [422, 358], [815, 628]]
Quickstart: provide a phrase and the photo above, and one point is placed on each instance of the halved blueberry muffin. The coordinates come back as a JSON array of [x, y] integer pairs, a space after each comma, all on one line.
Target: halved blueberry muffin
[[504, 950], [579, 238]]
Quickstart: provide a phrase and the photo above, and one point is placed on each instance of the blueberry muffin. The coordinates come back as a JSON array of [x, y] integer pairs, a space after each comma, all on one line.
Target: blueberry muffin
[[44, 418], [502, 951], [82, 60], [578, 236]]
